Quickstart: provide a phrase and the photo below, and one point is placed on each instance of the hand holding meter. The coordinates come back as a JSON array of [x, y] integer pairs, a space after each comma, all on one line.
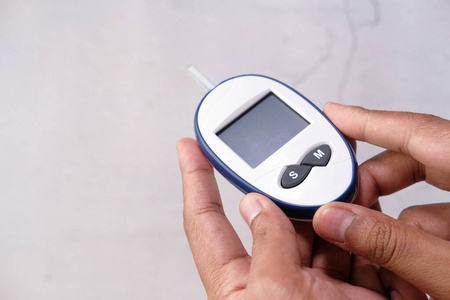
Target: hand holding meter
[[265, 137]]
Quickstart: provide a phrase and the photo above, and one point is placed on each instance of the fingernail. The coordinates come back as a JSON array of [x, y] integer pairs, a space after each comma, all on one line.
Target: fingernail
[[396, 295], [250, 208], [334, 222]]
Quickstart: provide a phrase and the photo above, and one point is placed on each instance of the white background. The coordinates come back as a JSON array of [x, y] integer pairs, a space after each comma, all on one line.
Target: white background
[[93, 98]]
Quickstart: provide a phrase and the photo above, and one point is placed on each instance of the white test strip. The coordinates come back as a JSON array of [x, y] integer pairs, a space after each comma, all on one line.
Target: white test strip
[[200, 77]]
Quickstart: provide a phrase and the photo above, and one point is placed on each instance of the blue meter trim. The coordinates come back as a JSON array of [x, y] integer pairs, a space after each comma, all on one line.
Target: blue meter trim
[[292, 211]]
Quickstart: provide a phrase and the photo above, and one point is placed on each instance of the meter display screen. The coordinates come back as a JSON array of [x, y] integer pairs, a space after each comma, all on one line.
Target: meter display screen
[[262, 129]]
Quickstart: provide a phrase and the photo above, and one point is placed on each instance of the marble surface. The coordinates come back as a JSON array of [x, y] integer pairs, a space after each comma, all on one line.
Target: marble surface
[[93, 98]]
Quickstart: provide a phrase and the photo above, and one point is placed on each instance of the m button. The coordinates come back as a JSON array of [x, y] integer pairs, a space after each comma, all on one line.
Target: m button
[[318, 157]]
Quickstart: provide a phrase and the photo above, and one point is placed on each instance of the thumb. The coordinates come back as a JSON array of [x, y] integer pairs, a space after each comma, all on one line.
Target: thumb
[[270, 228], [416, 256]]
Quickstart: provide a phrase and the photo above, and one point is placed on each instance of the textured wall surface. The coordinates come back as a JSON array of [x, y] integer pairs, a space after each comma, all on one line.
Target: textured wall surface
[[93, 98]]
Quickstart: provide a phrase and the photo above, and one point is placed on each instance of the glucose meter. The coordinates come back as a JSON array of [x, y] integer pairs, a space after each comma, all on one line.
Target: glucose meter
[[265, 137]]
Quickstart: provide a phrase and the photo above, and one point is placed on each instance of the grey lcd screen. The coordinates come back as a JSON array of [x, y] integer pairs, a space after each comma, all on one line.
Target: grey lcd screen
[[262, 129]]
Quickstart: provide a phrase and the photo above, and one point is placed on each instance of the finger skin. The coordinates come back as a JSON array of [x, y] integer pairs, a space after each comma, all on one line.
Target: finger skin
[[276, 257], [414, 255], [384, 174], [305, 240], [365, 274], [337, 263], [215, 245], [431, 218], [274, 237], [334, 261], [395, 284], [426, 138]]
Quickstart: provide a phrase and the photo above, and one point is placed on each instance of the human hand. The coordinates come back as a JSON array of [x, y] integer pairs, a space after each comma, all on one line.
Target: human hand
[[416, 247], [288, 261], [418, 149]]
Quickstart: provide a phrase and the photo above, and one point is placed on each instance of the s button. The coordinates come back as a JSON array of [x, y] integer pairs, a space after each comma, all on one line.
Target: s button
[[294, 175]]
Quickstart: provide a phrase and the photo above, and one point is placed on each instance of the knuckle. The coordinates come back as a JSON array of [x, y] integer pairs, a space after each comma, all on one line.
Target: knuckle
[[210, 207], [426, 126], [266, 230], [411, 215], [198, 170], [265, 227], [416, 128], [366, 124], [193, 223], [259, 232], [260, 238], [385, 243]]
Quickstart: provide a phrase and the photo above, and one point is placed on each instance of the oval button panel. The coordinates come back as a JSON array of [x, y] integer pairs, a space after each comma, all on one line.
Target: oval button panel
[[296, 174]]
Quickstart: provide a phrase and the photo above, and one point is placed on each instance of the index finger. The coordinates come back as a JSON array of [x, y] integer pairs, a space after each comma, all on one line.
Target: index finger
[[424, 137], [215, 245]]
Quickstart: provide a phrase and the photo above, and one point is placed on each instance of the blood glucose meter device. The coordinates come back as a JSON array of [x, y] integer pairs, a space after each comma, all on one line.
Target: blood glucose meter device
[[265, 137]]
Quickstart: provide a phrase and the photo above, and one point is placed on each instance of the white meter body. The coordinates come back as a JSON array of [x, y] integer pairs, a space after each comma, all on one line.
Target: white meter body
[[265, 137]]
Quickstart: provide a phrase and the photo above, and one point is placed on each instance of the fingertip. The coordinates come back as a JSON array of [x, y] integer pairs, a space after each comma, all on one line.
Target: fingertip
[[183, 142], [191, 157], [336, 112], [332, 220], [317, 218], [253, 205], [250, 207], [331, 106], [183, 145]]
